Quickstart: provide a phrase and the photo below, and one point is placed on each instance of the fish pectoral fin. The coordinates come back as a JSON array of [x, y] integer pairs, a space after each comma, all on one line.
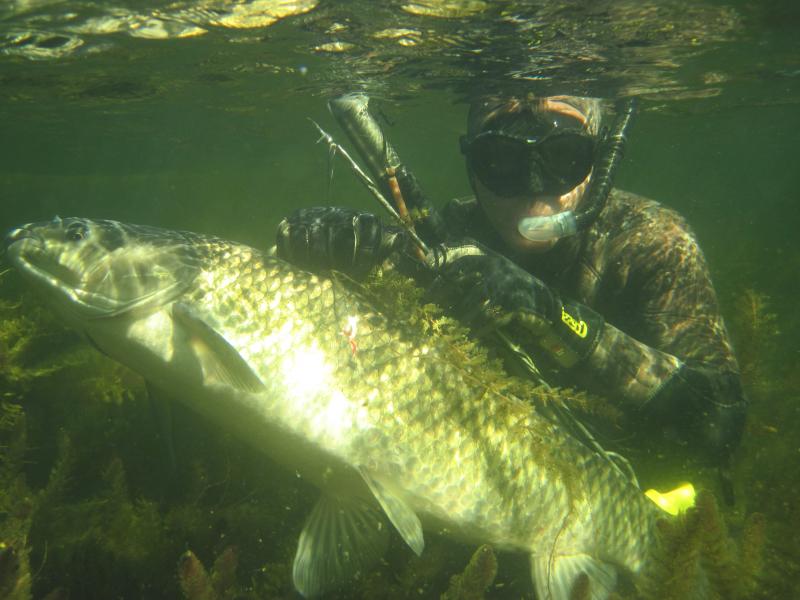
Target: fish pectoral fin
[[562, 577], [219, 360], [341, 539], [402, 516]]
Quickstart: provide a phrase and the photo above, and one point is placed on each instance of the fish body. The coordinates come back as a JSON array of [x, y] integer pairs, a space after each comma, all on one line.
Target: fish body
[[388, 426]]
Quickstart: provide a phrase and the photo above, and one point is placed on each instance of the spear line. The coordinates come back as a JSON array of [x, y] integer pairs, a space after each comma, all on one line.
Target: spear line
[[370, 185]]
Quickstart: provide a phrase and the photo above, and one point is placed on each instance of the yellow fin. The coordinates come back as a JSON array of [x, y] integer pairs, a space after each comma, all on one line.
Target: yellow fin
[[675, 502]]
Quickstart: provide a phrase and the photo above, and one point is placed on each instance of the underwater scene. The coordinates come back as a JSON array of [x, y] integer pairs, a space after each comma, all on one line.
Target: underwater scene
[[212, 117]]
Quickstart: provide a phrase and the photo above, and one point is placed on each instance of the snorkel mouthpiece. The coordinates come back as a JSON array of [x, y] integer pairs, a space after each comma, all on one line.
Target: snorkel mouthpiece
[[609, 155], [549, 228]]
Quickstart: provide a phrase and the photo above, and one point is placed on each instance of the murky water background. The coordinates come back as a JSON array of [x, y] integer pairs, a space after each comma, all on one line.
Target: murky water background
[[194, 115]]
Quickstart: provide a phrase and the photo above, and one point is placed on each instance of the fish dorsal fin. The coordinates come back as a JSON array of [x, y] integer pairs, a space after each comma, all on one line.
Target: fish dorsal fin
[[341, 539], [402, 516], [220, 361], [564, 577]]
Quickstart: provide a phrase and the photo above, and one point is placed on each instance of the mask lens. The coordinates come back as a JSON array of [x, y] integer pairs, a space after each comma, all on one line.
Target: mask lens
[[511, 166], [567, 159], [502, 164]]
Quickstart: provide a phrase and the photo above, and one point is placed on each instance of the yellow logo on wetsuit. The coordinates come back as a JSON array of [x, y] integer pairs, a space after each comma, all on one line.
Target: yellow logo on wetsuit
[[579, 328]]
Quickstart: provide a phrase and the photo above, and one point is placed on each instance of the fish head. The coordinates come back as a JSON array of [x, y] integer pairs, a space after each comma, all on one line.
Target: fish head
[[92, 269]]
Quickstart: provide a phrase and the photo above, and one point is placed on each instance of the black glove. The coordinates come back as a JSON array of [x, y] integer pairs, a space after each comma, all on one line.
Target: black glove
[[707, 407], [329, 237], [482, 288]]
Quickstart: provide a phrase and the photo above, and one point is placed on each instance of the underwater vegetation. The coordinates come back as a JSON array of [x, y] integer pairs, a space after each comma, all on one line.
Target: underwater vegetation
[[199, 584], [768, 473], [91, 508], [699, 540], [757, 330], [476, 578]]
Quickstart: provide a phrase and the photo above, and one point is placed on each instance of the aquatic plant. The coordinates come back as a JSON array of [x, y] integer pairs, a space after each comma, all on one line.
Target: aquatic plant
[[698, 558], [755, 329], [22, 342], [494, 365], [15, 579], [198, 584], [768, 472], [478, 575], [15, 574], [195, 581], [90, 508]]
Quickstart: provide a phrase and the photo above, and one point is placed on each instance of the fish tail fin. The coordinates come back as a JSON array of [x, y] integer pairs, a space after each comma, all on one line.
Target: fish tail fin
[[567, 577]]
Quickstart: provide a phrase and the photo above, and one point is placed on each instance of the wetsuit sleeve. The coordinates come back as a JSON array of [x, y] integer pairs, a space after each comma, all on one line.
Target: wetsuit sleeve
[[677, 367], [623, 367], [659, 346], [671, 312]]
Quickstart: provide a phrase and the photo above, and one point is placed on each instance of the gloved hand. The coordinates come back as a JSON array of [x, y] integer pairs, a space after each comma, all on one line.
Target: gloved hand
[[708, 410], [329, 237], [483, 288], [707, 407]]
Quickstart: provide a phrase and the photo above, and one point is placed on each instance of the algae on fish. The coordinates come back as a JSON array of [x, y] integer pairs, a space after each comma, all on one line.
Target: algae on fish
[[88, 503], [404, 299]]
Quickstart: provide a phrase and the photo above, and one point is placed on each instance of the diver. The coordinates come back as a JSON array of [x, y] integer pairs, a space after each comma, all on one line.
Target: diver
[[606, 290]]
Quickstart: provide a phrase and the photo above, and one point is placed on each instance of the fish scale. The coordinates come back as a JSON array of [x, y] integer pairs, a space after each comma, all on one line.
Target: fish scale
[[387, 422], [464, 454]]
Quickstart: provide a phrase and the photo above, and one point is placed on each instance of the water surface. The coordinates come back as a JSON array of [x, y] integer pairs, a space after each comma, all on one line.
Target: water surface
[[195, 115]]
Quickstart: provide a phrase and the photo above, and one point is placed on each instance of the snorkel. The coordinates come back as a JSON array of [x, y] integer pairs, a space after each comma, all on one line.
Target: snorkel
[[610, 150]]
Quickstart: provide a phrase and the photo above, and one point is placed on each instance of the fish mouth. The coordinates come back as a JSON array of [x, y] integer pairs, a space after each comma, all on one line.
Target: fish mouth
[[21, 243], [26, 251], [20, 234]]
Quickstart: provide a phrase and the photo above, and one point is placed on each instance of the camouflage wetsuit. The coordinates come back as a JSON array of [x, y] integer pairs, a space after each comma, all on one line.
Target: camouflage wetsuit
[[664, 350]]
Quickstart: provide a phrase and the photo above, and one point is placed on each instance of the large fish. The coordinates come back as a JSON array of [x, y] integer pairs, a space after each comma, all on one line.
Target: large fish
[[307, 371]]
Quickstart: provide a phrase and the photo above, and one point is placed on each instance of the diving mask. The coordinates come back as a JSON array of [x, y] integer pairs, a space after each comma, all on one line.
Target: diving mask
[[514, 165]]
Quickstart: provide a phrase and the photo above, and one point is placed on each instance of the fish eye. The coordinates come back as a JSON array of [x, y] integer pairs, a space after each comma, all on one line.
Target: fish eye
[[77, 232]]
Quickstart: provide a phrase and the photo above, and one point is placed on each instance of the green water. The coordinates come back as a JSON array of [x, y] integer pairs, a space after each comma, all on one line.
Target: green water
[[211, 133]]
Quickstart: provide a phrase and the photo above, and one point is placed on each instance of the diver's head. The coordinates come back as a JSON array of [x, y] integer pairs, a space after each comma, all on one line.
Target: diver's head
[[529, 157]]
